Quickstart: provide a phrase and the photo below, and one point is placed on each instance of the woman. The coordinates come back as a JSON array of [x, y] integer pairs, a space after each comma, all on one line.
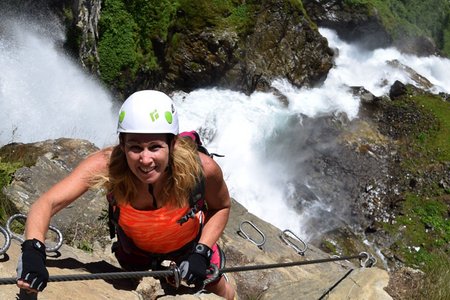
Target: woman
[[150, 177]]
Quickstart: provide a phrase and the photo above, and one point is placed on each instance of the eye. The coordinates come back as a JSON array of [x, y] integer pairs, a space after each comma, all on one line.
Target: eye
[[135, 148], [154, 147]]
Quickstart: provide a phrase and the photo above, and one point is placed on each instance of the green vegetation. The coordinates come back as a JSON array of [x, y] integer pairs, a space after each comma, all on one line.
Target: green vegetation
[[436, 142], [218, 15], [127, 30], [424, 221], [425, 228], [241, 19], [132, 34], [446, 37], [152, 17], [10, 162], [6, 172], [329, 247], [435, 285], [412, 18], [425, 124], [85, 246], [118, 44]]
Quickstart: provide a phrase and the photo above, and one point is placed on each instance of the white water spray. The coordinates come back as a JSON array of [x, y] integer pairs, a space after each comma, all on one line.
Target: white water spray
[[242, 127], [359, 67], [43, 93]]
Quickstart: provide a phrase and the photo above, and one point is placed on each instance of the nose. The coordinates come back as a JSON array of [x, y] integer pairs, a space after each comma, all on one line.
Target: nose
[[146, 156]]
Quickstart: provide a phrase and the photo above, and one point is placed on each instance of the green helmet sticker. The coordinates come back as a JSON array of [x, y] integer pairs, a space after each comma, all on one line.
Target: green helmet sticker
[[121, 116], [154, 115], [169, 117]]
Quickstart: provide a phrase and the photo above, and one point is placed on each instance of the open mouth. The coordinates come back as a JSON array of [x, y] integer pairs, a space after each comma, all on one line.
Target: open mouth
[[146, 170]]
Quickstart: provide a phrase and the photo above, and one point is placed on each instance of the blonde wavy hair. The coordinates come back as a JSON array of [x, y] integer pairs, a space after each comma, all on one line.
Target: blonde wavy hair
[[184, 172]]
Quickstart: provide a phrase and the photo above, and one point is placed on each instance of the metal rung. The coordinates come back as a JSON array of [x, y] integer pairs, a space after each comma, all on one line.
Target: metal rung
[[21, 239], [288, 235], [245, 235], [7, 240]]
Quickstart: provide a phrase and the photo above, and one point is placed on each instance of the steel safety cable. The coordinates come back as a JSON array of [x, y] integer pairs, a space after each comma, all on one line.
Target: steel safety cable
[[175, 271], [290, 264], [368, 262], [109, 275]]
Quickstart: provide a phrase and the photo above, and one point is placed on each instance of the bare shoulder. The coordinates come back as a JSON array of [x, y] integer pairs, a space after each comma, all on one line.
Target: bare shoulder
[[211, 168], [216, 190], [97, 161]]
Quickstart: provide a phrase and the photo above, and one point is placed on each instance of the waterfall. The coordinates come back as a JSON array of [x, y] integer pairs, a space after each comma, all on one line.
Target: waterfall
[[261, 175], [45, 95]]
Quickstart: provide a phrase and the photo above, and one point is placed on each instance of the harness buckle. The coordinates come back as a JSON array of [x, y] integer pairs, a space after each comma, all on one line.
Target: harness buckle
[[189, 215]]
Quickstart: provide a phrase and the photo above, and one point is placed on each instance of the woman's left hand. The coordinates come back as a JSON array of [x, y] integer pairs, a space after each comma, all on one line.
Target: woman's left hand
[[193, 269]]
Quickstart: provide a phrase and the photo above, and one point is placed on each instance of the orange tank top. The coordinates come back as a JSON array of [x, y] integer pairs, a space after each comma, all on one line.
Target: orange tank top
[[157, 231]]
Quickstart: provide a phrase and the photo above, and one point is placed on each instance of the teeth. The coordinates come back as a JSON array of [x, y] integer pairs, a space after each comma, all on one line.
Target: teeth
[[146, 169]]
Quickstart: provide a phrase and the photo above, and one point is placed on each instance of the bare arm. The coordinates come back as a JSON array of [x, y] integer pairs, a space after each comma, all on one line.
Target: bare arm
[[62, 194], [218, 200]]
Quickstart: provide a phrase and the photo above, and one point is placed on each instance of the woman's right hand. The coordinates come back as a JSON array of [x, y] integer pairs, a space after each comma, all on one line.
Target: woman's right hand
[[32, 274]]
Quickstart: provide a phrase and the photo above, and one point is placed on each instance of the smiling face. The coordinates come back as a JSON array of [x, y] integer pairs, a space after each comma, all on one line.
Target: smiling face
[[147, 155]]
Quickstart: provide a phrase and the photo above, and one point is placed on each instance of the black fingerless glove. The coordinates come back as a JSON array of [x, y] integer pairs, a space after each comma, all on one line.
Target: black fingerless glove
[[193, 269], [31, 266]]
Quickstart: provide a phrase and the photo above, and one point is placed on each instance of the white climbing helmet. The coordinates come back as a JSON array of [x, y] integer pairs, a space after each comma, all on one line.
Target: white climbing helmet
[[148, 111]]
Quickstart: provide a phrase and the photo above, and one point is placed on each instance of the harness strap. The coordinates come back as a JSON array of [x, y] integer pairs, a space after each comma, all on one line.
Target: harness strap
[[113, 215], [196, 201], [200, 147]]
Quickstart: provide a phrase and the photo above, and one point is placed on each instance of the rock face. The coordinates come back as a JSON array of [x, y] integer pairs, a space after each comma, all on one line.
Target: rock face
[[87, 22], [311, 281], [281, 42], [362, 24], [355, 24], [54, 160]]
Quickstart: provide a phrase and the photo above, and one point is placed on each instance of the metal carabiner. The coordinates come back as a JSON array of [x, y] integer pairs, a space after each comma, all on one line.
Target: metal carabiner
[[288, 235], [7, 241], [213, 274], [370, 260], [175, 279], [241, 231], [21, 239]]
